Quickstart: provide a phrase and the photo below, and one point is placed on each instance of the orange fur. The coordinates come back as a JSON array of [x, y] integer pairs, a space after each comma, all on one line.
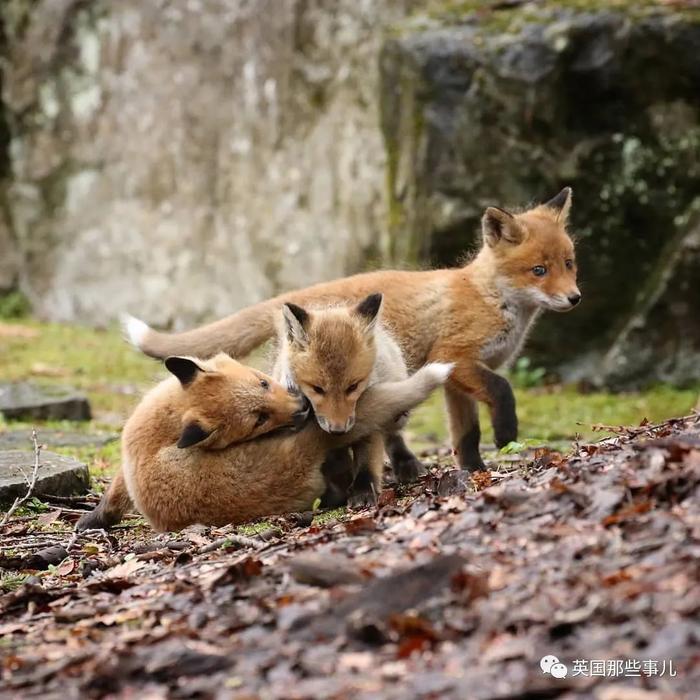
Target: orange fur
[[214, 484], [476, 316], [332, 355]]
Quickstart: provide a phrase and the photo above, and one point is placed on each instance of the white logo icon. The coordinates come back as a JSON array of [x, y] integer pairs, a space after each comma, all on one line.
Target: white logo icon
[[551, 664]]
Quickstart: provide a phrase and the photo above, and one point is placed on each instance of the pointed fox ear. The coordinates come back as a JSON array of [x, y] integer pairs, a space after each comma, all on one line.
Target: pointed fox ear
[[561, 204], [296, 321], [192, 434], [499, 225], [184, 368], [368, 309]]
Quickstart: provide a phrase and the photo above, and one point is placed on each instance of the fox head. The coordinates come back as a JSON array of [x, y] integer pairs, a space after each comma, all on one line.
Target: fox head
[[331, 357], [227, 402], [533, 254]]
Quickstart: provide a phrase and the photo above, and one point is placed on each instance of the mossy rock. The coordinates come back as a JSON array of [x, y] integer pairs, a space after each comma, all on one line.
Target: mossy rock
[[505, 107], [56, 475], [26, 401]]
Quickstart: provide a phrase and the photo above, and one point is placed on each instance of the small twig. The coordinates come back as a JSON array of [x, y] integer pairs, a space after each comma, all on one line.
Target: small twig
[[94, 532], [232, 540], [31, 545], [53, 498], [73, 539], [31, 483]]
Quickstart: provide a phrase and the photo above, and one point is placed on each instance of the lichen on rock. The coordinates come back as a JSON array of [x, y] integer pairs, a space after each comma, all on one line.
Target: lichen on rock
[[515, 103]]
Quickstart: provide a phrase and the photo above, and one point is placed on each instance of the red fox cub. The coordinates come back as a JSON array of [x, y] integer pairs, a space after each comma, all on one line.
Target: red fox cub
[[333, 355], [476, 316], [183, 461], [221, 402]]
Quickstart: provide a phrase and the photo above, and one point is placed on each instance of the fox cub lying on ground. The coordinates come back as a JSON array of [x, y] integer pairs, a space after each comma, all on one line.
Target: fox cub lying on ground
[[476, 316], [203, 446], [333, 355]]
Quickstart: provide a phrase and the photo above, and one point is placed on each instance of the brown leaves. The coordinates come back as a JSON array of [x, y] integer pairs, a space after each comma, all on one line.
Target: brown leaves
[[357, 526], [125, 569], [240, 570], [628, 512], [450, 591], [325, 570], [481, 480], [413, 634]]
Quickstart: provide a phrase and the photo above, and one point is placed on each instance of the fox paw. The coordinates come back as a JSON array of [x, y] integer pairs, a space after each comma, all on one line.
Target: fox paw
[[408, 469], [470, 463], [503, 437], [362, 498]]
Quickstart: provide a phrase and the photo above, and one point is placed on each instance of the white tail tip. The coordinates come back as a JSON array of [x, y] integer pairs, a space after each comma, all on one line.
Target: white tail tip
[[440, 370], [134, 330]]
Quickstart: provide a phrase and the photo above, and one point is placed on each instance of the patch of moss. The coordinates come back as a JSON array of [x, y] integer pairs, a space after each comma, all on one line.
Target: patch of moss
[[254, 528], [11, 581], [493, 17], [14, 305], [327, 517]]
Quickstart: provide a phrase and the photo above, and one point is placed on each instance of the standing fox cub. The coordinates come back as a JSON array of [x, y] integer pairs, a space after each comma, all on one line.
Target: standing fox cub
[[476, 316], [203, 447], [333, 355]]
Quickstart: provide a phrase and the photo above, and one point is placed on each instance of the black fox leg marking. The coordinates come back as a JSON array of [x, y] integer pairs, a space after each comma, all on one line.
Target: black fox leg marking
[[405, 464], [502, 404]]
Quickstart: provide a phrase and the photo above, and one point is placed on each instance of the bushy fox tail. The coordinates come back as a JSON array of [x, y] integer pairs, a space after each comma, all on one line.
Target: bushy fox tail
[[237, 335], [111, 509], [381, 406]]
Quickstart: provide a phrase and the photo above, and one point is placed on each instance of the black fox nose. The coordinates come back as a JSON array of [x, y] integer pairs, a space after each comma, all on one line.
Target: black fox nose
[[574, 299]]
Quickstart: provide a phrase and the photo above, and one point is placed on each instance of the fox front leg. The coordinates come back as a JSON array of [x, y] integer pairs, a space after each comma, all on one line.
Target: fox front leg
[[501, 402], [463, 414], [407, 467], [369, 467], [338, 473], [482, 384]]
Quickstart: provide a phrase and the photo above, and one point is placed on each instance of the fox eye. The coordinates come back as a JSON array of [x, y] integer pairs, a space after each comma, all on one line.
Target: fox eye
[[262, 418], [319, 390], [539, 270], [352, 388], [569, 264], [265, 384]]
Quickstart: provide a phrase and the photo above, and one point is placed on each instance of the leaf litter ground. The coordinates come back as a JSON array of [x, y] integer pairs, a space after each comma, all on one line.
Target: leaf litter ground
[[454, 588]]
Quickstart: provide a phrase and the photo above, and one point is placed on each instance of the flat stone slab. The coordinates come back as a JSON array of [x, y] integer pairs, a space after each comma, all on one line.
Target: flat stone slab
[[25, 401], [22, 439], [57, 476]]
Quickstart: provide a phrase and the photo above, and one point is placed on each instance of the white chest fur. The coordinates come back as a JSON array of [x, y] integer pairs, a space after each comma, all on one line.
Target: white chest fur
[[517, 319]]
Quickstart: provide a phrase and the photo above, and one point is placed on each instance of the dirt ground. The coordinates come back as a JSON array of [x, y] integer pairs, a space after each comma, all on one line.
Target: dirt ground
[[454, 588]]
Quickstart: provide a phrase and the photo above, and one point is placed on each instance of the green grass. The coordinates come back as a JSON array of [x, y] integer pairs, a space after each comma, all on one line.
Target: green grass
[[562, 413], [11, 581], [99, 362], [114, 376]]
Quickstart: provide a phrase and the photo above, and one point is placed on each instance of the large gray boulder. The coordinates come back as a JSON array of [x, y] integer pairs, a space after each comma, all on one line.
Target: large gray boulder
[[182, 159], [502, 107]]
